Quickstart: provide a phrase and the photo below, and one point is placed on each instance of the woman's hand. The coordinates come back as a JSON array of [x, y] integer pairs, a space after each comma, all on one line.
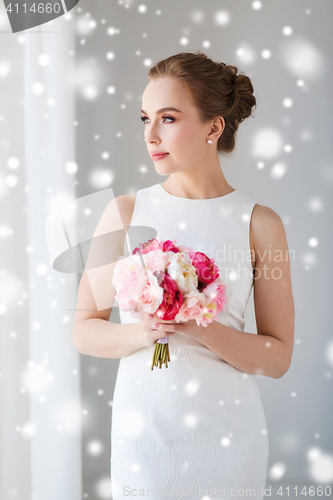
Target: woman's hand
[[188, 328], [151, 328]]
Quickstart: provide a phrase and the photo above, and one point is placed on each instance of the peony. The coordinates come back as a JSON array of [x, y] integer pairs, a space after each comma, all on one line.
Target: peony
[[169, 246], [154, 244], [126, 296], [174, 282], [172, 299], [206, 269], [123, 267], [185, 249], [180, 269], [155, 260], [216, 292], [192, 307], [208, 313], [149, 246]]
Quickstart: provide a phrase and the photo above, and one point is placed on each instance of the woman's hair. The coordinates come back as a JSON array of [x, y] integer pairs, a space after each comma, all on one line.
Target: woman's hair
[[216, 90]]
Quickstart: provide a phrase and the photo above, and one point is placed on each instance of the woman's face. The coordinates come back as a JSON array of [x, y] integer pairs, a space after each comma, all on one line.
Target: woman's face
[[181, 134]]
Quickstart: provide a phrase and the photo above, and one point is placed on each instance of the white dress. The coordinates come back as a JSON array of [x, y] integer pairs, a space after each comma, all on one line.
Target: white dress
[[196, 429]]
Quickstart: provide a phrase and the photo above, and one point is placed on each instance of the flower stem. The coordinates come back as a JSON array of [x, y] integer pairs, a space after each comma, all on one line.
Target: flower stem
[[161, 355]]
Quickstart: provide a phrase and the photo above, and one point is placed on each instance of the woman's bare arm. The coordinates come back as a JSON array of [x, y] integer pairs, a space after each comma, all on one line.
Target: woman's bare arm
[[93, 334], [269, 353], [273, 296]]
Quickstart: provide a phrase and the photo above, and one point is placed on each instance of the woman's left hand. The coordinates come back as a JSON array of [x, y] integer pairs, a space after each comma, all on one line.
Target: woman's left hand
[[188, 328]]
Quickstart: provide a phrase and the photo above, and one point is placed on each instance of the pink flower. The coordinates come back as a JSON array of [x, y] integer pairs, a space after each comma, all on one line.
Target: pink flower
[[155, 261], [126, 294], [216, 293], [148, 292], [154, 244], [140, 292], [149, 246], [192, 307], [185, 249], [206, 269], [173, 282], [209, 312], [169, 246], [123, 267], [172, 299], [203, 306]]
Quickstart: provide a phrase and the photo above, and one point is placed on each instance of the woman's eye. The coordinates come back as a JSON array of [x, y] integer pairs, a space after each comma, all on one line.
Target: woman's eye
[[168, 118], [143, 118]]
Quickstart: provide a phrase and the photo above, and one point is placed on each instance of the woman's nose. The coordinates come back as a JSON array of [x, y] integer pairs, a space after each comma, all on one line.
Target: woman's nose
[[152, 135], [152, 139]]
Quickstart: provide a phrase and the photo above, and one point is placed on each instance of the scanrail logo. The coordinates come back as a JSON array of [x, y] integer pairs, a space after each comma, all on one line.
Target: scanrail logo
[[25, 14]]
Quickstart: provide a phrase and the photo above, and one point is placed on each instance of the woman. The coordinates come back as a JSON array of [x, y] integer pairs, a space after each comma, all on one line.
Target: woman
[[197, 429]]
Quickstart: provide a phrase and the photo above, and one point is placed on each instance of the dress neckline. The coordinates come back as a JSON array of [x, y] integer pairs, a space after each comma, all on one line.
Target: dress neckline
[[161, 188]]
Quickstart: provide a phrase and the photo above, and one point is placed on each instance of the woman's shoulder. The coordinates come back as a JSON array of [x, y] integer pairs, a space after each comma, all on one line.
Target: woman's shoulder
[[266, 226], [126, 204], [263, 216]]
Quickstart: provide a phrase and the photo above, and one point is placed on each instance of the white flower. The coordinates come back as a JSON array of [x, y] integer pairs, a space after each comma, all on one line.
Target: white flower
[[180, 269]]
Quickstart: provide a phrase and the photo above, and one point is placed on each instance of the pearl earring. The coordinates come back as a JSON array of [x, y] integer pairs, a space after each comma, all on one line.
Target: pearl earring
[[210, 141]]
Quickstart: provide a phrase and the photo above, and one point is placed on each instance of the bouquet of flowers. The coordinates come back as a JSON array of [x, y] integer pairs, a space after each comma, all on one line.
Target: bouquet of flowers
[[173, 281]]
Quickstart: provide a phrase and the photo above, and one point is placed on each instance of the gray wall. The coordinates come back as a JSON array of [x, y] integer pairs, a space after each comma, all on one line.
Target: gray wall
[[297, 184]]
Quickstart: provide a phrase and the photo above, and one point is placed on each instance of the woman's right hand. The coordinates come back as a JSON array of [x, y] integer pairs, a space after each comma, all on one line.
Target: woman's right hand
[[148, 333]]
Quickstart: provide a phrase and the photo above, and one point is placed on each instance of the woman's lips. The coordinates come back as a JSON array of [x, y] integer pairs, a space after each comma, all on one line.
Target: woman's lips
[[159, 157]]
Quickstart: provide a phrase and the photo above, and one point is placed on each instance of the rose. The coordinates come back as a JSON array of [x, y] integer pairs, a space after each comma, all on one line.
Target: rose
[[172, 299], [140, 292], [149, 293], [206, 269]]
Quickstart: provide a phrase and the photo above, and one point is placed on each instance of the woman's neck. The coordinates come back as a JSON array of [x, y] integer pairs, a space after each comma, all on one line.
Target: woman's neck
[[189, 186]]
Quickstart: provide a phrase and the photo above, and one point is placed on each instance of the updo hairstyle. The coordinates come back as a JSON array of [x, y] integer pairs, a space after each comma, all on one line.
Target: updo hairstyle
[[216, 89]]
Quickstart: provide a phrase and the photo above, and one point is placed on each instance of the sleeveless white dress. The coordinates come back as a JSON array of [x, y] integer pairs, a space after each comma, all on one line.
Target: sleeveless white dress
[[196, 429]]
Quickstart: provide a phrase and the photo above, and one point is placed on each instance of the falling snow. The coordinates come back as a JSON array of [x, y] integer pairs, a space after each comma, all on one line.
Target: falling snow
[[86, 137]]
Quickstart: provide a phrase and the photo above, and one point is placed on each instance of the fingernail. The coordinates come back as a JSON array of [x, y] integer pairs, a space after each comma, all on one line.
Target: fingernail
[[150, 316], [156, 326]]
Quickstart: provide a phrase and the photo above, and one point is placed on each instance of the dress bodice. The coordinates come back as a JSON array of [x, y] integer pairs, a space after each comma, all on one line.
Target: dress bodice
[[219, 227]]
